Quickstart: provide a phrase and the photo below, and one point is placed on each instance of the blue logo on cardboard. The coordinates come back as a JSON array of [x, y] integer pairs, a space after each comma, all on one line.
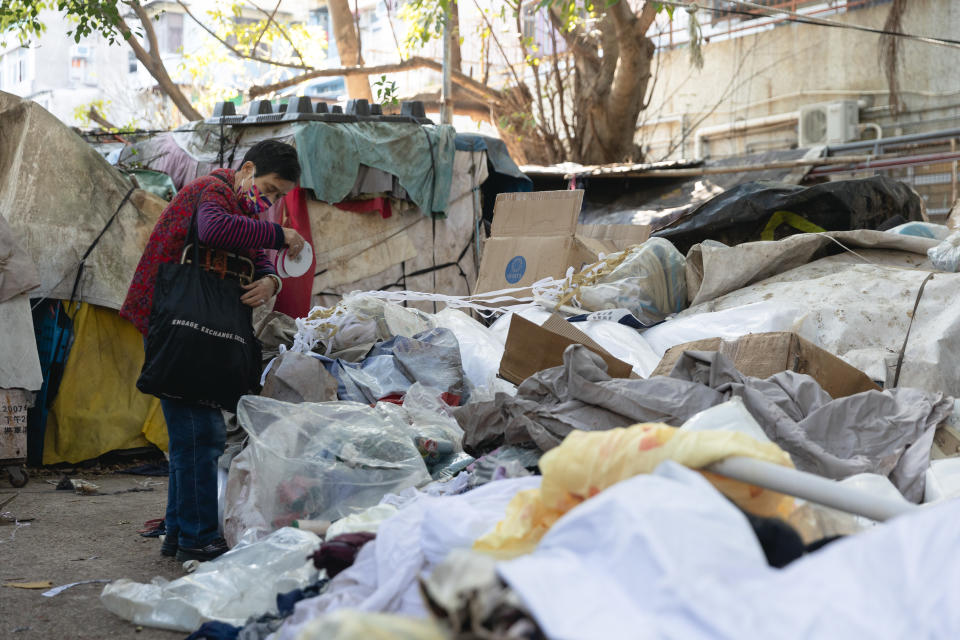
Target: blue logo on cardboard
[[515, 269]]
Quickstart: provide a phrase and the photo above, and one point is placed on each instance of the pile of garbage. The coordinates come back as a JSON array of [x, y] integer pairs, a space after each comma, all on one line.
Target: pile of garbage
[[758, 440]]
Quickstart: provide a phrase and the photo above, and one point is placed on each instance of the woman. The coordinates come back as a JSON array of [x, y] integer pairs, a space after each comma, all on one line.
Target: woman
[[233, 240]]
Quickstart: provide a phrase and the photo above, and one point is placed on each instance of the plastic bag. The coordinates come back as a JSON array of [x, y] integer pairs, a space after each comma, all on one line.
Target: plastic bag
[[358, 320], [946, 255], [244, 581], [436, 433], [648, 280], [480, 348], [587, 462], [316, 462], [431, 358]]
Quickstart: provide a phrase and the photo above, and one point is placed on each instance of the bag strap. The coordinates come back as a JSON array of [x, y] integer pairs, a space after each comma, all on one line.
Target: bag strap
[[193, 234]]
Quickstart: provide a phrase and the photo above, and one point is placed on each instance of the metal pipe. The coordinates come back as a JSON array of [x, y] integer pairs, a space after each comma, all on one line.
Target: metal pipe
[[811, 488], [446, 100], [889, 163], [913, 137]]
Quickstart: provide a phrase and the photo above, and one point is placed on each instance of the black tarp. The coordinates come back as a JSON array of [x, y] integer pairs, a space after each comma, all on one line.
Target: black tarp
[[740, 214]]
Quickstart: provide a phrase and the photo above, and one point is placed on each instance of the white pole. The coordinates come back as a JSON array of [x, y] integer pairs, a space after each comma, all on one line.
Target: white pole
[[446, 99], [811, 487]]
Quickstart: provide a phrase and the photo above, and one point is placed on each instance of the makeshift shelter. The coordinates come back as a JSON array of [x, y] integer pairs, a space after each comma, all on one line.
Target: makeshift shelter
[[83, 225], [385, 204]]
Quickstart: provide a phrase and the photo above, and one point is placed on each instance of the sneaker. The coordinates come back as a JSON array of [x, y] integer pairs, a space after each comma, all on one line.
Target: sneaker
[[169, 546], [213, 550]]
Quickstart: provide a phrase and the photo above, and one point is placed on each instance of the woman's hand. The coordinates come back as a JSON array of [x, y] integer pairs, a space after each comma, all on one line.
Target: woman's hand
[[257, 293], [294, 241]]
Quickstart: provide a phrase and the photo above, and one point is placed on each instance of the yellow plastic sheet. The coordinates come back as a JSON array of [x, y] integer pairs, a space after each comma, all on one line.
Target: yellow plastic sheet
[[98, 407], [587, 462]]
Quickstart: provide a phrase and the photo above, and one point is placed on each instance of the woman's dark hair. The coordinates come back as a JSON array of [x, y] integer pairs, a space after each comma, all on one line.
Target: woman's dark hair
[[271, 156]]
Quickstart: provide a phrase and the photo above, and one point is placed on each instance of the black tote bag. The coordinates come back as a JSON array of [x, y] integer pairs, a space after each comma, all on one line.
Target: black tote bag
[[200, 342]]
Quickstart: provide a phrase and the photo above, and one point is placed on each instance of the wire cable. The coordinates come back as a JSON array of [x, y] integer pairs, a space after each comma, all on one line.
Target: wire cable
[[800, 18]]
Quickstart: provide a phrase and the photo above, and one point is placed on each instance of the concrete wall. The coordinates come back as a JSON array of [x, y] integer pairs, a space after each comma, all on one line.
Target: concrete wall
[[778, 71]]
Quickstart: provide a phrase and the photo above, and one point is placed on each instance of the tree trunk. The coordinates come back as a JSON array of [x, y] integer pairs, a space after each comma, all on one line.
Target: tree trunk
[[456, 59], [153, 63], [608, 95], [348, 45]]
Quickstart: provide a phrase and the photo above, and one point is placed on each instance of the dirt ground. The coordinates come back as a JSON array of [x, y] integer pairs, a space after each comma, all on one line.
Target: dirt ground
[[73, 538]]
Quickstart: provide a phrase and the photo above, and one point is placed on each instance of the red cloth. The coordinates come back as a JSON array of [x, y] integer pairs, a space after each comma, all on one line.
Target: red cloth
[[170, 234], [366, 206], [294, 299]]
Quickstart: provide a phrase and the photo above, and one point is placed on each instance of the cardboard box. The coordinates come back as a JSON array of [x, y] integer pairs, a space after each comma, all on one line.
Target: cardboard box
[[535, 236], [531, 348], [760, 355]]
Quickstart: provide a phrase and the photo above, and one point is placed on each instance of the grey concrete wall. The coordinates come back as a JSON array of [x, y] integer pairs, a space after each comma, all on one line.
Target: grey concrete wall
[[780, 70]]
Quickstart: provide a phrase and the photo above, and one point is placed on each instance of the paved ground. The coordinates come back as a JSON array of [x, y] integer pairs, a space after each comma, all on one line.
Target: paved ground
[[75, 538]]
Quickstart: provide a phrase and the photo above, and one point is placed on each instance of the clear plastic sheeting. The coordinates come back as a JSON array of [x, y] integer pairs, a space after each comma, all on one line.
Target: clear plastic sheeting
[[480, 348], [317, 462], [649, 280], [243, 582], [946, 255]]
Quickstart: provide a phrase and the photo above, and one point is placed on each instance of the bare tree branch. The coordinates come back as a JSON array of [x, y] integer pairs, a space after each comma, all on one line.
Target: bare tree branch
[[266, 24], [152, 61], [237, 52], [575, 38], [493, 35], [416, 62], [393, 28], [97, 117]]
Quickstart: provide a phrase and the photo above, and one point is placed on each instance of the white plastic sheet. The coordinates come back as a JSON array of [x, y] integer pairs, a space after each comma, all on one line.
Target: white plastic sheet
[[384, 576], [859, 312], [243, 582], [665, 556], [480, 348], [620, 340], [729, 324], [316, 462]]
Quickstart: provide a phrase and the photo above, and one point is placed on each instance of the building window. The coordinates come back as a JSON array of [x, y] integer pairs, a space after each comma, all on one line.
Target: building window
[[131, 62], [319, 17], [81, 63]]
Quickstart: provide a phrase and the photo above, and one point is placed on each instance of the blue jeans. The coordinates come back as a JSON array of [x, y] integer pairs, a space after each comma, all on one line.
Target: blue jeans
[[197, 438]]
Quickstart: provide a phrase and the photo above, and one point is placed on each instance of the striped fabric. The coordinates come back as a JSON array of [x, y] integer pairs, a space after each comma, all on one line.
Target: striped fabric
[[222, 223]]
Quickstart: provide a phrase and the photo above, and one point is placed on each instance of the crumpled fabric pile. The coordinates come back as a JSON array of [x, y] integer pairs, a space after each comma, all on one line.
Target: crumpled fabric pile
[[887, 432]]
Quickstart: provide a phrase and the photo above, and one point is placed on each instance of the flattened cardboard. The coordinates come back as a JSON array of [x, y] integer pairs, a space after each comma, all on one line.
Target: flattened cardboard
[[760, 355], [531, 348], [536, 236]]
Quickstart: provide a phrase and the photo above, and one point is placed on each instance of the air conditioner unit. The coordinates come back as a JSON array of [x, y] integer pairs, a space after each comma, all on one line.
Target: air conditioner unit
[[829, 123]]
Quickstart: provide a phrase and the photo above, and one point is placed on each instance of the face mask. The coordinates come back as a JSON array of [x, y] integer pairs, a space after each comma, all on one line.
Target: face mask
[[252, 201]]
